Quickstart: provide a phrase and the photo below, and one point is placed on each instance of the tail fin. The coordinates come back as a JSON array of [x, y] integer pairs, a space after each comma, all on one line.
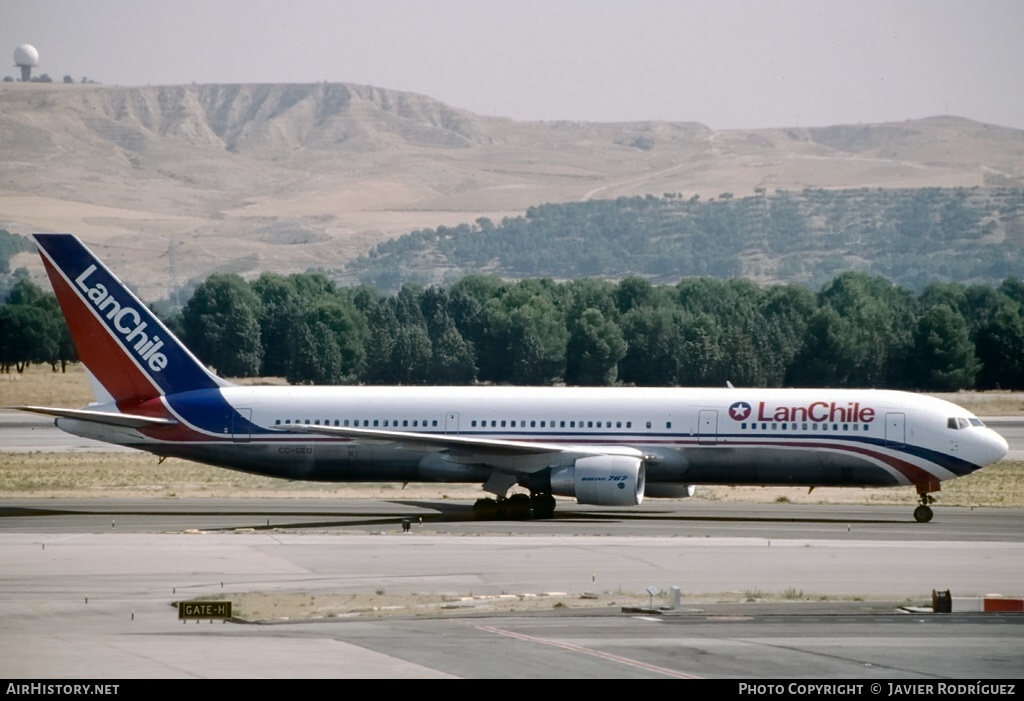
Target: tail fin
[[124, 345]]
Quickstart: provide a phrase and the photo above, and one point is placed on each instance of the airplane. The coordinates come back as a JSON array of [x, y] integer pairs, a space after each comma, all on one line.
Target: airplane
[[602, 446]]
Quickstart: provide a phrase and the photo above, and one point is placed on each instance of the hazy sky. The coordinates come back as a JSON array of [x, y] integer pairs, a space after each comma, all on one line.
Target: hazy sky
[[725, 63]]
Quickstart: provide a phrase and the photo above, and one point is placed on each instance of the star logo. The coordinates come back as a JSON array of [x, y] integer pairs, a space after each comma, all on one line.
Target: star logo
[[739, 411]]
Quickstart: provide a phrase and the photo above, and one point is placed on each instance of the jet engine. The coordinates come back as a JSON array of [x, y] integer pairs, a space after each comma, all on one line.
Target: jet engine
[[601, 480]]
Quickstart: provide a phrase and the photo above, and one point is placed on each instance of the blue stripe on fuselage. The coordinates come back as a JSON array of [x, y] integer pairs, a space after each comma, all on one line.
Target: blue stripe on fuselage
[[208, 410]]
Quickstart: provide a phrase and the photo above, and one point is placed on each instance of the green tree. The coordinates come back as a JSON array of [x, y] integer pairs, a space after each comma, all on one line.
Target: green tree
[[314, 357], [594, 349], [1000, 347], [221, 323], [653, 338], [944, 357], [28, 334]]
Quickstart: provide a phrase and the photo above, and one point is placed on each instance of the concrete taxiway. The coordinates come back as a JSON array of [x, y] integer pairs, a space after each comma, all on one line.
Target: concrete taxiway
[[132, 560]]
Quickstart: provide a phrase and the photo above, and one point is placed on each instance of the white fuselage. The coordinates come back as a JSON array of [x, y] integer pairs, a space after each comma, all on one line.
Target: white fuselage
[[687, 436]]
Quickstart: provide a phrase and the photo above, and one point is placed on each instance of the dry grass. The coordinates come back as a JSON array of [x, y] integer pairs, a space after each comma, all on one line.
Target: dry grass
[[39, 385], [282, 606]]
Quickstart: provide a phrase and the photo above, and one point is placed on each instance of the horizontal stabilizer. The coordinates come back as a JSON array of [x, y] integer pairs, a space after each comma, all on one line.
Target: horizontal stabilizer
[[100, 417]]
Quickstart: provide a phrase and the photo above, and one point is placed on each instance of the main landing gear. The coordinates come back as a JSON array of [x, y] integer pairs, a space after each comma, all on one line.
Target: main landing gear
[[923, 513], [518, 507]]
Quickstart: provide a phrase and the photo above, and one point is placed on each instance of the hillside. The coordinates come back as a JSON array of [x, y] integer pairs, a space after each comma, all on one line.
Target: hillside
[[909, 236], [174, 182]]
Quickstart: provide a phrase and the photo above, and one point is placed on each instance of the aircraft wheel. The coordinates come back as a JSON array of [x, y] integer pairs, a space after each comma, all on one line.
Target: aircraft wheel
[[543, 505], [485, 509], [517, 507], [923, 514]]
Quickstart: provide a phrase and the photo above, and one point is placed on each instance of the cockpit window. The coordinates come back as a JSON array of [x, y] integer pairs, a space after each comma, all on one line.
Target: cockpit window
[[977, 422], [951, 422], [959, 422], [964, 423]]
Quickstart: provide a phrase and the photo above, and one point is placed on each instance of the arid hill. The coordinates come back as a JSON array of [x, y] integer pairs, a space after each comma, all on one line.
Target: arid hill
[[174, 182]]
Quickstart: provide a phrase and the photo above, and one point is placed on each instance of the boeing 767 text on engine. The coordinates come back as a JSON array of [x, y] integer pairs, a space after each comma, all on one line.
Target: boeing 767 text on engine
[[603, 446]]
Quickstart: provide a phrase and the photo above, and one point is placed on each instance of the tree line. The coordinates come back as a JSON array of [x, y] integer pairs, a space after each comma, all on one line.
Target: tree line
[[856, 331]]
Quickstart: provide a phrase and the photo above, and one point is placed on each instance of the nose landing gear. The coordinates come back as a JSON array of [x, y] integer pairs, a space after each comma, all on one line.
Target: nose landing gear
[[923, 513]]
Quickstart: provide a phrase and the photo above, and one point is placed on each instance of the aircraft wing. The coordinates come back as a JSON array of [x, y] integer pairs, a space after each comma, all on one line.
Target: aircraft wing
[[520, 456], [100, 417]]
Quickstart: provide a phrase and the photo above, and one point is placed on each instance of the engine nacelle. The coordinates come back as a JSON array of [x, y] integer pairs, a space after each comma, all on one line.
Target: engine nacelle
[[601, 480]]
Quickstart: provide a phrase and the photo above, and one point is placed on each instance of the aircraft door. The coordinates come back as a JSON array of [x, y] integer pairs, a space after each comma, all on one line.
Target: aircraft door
[[895, 429], [451, 423], [707, 426]]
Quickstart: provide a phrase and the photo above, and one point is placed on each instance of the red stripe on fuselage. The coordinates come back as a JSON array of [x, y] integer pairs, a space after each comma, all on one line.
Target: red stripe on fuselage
[[912, 472]]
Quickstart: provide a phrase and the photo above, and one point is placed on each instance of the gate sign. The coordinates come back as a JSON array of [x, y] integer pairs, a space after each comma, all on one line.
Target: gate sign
[[195, 610]]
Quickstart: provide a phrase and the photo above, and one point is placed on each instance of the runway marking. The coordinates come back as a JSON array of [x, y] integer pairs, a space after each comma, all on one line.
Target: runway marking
[[588, 651]]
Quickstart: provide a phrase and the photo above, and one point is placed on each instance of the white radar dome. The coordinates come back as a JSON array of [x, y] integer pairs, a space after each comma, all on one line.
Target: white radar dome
[[26, 55]]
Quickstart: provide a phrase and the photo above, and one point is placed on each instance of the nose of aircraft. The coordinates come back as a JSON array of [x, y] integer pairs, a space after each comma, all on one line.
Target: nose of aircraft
[[994, 449]]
